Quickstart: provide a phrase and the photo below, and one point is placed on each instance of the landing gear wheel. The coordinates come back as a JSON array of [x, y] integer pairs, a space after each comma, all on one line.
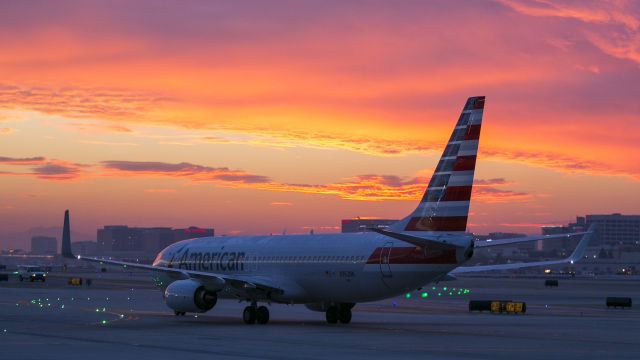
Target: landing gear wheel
[[262, 315], [344, 315], [180, 313], [332, 315], [249, 315], [21, 279]]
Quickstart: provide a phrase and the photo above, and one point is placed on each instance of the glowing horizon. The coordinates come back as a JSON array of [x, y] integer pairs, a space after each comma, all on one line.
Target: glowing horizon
[[260, 116]]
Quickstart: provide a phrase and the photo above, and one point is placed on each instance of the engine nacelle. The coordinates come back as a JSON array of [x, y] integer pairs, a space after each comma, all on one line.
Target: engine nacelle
[[189, 296]]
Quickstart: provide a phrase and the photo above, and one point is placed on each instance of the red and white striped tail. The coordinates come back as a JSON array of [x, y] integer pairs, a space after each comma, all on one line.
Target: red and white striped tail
[[445, 204]]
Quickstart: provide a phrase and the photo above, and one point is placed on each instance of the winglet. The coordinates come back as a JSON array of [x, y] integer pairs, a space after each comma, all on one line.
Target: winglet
[[578, 252], [66, 238]]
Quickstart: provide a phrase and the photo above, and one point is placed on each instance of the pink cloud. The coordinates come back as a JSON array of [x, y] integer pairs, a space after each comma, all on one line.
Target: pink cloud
[[43, 168]]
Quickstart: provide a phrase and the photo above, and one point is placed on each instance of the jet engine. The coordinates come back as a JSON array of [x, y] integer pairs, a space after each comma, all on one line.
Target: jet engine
[[189, 296]]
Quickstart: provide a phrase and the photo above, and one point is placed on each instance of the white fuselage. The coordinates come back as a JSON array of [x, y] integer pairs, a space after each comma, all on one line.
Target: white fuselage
[[322, 268]]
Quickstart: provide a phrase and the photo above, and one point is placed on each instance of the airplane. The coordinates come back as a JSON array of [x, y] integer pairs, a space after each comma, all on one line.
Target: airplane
[[331, 273]]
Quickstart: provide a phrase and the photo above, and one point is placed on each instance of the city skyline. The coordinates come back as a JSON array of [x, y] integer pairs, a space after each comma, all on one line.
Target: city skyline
[[257, 117]]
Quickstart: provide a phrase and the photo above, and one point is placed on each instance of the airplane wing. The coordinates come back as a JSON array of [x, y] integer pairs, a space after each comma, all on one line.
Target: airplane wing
[[211, 280], [577, 254]]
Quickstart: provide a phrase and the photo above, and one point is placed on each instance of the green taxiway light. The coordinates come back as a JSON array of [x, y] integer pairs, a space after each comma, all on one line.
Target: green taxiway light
[[408, 295], [439, 294], [424, 295], [444, 288], [104, 322]]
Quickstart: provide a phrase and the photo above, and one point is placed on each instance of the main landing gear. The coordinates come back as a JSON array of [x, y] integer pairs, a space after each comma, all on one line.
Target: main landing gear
[[340, 313], [180, 313], [253, 314]]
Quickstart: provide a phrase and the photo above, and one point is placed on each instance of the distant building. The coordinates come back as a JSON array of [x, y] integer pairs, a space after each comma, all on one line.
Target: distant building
[[359, 225], [44, 245], [614, 233], [615, 229], [125, 241]]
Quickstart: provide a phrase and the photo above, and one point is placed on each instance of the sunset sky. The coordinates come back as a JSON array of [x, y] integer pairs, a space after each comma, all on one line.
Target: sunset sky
[[258, 116]]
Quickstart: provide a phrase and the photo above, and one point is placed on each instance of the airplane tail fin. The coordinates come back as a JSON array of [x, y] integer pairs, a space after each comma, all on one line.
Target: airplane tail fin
[[66, 238], [444, 207]]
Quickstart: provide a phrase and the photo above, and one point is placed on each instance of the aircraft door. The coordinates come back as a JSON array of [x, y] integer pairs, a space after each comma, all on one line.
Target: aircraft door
[[385, 255]]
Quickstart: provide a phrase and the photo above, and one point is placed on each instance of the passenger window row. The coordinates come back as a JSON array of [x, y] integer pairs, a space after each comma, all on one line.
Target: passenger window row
[[307, 259]]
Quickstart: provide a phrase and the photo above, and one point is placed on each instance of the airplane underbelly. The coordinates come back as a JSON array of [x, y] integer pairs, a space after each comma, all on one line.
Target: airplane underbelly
[[365, 283]]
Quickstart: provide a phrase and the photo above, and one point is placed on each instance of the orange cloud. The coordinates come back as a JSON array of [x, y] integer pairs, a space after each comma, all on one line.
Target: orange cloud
[[80, 102], [362, 188], [389, 147], [108, 143], [92, 128]]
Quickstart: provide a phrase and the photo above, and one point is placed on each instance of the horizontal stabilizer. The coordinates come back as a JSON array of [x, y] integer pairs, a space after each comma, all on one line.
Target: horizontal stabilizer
[[414, 240]]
